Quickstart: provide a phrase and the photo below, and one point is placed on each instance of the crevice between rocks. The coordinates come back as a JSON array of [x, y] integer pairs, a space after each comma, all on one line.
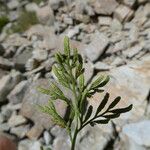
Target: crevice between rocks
[[115, 136]]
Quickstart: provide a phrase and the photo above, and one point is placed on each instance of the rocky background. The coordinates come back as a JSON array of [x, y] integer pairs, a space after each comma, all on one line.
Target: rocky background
[[114, 38]]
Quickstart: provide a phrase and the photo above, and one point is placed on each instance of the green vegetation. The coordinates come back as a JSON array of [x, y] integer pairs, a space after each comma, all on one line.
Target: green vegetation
[[25, 21], [70, 74], [3, 21], [37, 1]]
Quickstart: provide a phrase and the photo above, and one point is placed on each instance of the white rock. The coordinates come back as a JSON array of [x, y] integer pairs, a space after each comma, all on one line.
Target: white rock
[[16, 120], [40, 55], [32, 7], [20, 131], [101, 66], [130, 3], [97, 46], [131, 52], [5, 63], [17, 94], [45, 15], [13, 4], [138, 132], [104, 21], [123, 13], [7, 83], [47, 137]]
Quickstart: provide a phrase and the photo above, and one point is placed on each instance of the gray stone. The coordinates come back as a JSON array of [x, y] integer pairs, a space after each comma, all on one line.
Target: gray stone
[[20, 131], [29, 145], [21, 59], [55, 4], [138, 132], [116, 25], [104, 21], [101, 66], [123, 13], [47, 137], [131, 52], [142, 1], [45, 15], [106, 7], [126, 143], [31, 7], [16, 120], [31, 64], [35, 132], [97, 46], [5, 63], [33, 98], [123, 80], [72, 32], [130, 3], [4, 127], [7, 83], [40, 55], [2, 118], [13, 4], [17, 94]]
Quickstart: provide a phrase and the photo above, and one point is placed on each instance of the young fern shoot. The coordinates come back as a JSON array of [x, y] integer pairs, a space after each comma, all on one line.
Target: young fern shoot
[[69, 72]]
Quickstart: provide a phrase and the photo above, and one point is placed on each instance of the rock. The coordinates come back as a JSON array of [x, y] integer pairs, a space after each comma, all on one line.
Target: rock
[[2, 50], [24, 144], [126, 143], [6, 112], [16, 120], [131, 52], [3, 73], [129, 3], [35, 146], [7, 83], [5, 63], [147, 10], [116, 25], [95, 138], [40, 55], [45, 15], [17, 94], [72, 32], [13, 15], [89, 71], [122, 83], [7, 144], [31, 64], [47, 137], [118, 62], [35, 132], [61, 142], [33, 98], [104, 21], [82, 18], [29, 145], [138, 132], [31, 7], [13, 4], [106, 7], [123, 13], [142, 1], [4, 127], [20, 131], [101, 66], [21, 59], [54, 4], [2, 118], [97, 47]]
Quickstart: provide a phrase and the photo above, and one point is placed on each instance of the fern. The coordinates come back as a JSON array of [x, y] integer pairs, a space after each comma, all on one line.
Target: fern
[[69, 73]]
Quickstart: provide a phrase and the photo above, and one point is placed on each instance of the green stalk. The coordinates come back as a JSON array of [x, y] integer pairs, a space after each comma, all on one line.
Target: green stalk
[[74, 139]]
